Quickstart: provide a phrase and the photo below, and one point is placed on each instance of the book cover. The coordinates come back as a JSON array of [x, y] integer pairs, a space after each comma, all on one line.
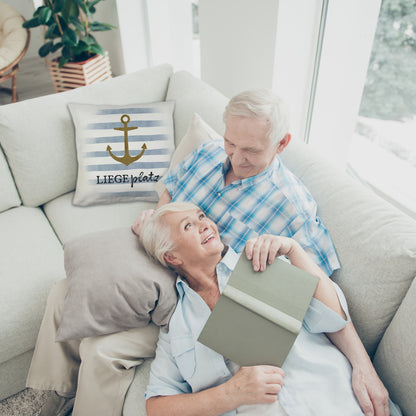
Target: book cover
[[259, 314]]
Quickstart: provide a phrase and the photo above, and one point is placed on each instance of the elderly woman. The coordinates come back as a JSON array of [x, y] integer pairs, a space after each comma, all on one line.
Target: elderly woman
[[187, 378]]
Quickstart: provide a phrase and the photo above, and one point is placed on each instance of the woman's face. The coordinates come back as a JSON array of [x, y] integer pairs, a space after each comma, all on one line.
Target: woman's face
[[195, 236]]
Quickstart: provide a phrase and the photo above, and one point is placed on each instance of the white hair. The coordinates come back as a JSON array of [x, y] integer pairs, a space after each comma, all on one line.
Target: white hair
[[155, 234], [261, 103]]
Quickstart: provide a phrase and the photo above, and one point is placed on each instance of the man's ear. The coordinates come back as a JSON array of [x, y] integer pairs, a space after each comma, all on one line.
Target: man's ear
[[283, 143], [170, 258]]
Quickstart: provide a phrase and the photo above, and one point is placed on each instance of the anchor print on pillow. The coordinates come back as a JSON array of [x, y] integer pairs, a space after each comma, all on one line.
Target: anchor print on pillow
[[123, 151]]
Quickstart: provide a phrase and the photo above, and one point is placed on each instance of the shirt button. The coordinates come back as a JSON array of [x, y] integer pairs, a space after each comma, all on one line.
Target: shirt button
[[219, 194]]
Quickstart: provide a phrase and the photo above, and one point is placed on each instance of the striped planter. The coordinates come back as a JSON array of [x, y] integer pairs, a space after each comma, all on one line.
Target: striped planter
[[78, 74]]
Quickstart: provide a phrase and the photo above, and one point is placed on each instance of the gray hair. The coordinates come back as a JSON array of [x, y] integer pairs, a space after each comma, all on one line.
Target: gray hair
[[261, 103], [155, 234]]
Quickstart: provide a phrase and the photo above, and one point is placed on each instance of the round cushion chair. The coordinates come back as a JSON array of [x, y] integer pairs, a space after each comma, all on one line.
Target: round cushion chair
[[14, 41]]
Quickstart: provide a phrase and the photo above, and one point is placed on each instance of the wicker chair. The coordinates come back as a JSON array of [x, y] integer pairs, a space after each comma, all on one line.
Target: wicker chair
[[14, 42]]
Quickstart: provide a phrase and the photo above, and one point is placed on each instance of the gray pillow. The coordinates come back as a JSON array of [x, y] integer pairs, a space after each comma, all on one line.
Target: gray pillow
[[113, 286]]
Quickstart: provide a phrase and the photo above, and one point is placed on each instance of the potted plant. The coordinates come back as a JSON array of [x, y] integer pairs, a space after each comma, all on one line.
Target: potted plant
[[68, 27]]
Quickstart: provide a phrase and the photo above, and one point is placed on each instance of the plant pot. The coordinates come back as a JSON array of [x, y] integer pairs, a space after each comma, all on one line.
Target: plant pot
[[78, 74]]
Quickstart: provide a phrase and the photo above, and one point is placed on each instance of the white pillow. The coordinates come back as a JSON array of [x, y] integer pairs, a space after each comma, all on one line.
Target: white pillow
[[198, 133], [122, 151]]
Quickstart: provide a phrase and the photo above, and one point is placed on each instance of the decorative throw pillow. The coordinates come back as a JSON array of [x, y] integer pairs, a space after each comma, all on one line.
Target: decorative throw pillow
[[123, 151], [113, 285], [198, 133]]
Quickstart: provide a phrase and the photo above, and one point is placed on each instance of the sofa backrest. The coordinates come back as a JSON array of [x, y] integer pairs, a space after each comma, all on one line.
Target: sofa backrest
[[9, 198], [192, 95], [375, 242], [38, 136], [376, 245]]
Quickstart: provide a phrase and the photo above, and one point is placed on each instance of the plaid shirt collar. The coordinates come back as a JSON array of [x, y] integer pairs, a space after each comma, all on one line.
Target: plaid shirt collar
[[252, 180]]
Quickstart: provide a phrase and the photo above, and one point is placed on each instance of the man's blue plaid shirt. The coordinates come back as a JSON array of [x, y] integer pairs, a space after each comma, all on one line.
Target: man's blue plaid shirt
[[273, 202]]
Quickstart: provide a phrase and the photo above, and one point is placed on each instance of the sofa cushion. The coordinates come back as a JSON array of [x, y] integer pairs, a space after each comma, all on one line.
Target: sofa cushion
[[9, 196], [70, 221], [122, 151], [394, 359], [134, 404], [375, 242], [191, 95], [38, 135], [113, 286], [31, 260]]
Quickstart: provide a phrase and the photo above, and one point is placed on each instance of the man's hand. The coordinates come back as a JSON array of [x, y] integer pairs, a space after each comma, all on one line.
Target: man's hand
[[255, 385], [264, 249], [370, 392], [141, 219]]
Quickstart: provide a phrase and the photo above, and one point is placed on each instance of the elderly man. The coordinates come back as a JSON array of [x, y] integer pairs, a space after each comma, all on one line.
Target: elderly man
[[242, 185]]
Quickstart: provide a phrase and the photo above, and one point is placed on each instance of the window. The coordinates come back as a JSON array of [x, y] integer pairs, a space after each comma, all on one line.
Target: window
[[383, 147]]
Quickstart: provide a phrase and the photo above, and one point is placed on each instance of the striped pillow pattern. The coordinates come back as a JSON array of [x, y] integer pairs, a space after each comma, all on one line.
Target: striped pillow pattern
[[123, 151]]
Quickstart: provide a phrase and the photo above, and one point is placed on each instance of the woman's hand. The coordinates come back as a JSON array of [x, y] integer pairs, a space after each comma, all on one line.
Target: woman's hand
[[141, 219], [264, 249], [255, 385]]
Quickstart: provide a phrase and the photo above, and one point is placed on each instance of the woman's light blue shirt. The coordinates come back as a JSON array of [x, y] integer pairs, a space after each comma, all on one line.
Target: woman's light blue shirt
[[317, 375]]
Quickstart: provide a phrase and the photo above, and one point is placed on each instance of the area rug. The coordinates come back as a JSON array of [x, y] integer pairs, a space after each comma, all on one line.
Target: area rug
[[26, 403]]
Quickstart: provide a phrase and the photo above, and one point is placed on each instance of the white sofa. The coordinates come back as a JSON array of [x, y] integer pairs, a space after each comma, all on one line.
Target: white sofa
[[376, 244]]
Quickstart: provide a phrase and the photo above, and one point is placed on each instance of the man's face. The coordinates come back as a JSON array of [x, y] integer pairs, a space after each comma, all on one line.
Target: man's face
[[247, 146], [195, 236]]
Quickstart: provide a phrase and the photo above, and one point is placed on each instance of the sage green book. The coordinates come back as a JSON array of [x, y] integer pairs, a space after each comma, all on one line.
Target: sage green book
[[259, 314]]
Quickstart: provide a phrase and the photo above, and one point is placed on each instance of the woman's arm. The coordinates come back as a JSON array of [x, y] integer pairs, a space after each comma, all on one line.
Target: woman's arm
[[250, 385]]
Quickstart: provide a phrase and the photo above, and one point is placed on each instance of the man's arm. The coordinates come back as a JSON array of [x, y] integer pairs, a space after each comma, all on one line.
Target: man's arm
[[164, 199], [368, 388]]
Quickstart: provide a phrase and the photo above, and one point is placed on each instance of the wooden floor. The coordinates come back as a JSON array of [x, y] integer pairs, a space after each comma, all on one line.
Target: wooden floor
[[33, 80]]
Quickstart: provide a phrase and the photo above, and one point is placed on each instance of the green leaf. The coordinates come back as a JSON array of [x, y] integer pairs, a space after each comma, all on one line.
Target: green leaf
[[62, 61], [82, 5], [34, 22], [96, 48], [77, 23], [63, 23], [100, 27], [80, 49], [57, 46], [70, 9], [88, 39], [92, 3], [52, 32], [45, 49], [58, 5], [70, 37], [66, 52], [44, 15]]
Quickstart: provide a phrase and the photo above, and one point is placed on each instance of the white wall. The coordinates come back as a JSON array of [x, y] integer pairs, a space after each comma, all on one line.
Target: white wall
[[261, 44], [129, 49], [170, 33], [238, 42]]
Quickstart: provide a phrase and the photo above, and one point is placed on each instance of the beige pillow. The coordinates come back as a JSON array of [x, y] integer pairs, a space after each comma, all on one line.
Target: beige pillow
[[113, 286], [198, 132]]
